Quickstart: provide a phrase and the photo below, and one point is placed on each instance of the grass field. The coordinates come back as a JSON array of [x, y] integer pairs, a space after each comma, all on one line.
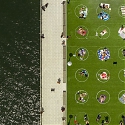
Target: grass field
[[92, 85]]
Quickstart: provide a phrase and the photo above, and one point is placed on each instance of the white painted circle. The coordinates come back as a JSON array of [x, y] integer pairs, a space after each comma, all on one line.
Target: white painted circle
[[79, 58], [121, 52], [97, 74], [80, 7], [84, 101], [103, 91], [108, 115], [119, 75], [77, 72]]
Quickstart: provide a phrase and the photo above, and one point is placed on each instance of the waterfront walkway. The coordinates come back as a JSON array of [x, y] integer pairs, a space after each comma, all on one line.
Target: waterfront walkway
[[53, 64]]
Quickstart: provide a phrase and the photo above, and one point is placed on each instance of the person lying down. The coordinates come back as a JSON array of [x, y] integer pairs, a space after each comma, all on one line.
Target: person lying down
[[104, 5], [103, 32]]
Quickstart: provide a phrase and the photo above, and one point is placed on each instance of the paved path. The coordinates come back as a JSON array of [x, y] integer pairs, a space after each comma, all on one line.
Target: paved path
[[52, 63]]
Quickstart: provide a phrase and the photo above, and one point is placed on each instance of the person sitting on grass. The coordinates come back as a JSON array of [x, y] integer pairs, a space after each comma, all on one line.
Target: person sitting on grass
[[103, 32], [81, 53], [98, 117], [87, 122], [102, 98], [104, 6], [85, 117], [82, 96], [106, 119], [121, 123], [103, 16], [81, 99], [123, 117], [102, 122], [123, 52], [83, 12]]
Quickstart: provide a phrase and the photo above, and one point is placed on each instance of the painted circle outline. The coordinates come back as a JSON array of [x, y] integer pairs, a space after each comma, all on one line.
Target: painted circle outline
[[86, 57], [96, 9], [98, 93], [107, 28], [118, 53], [108, 114], [98, 79], [79, 102], [119, 77], [84, 113], [84, 37], [77, 6], [118, 96], [119, 10], [76, 77]]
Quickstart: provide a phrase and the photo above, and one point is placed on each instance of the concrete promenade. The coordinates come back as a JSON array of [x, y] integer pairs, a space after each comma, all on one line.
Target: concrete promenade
[[52, 64]]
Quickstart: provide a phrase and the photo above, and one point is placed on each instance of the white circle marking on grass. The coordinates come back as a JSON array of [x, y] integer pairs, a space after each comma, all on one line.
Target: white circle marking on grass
[[87, 52], [81, 102], [119, 94], [102, 91], [119, 12], [119, 77], [79, 80], [118, 53], [107, 114], [121, 115], [77, 6]]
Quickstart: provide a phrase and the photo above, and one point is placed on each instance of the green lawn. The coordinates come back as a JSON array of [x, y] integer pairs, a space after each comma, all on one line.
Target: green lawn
[[113, 108]]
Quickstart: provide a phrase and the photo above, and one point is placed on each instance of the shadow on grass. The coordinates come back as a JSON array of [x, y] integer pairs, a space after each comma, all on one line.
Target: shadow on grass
[[70, 117]]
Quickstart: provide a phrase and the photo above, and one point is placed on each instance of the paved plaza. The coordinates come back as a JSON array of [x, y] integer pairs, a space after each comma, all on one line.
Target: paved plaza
[[53, 93]]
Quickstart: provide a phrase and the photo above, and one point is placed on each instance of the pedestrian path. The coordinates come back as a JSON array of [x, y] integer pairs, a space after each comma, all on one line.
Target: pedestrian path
[[52, 64]]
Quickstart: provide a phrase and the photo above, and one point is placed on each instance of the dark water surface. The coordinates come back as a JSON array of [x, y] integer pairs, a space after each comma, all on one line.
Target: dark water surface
[[19, 62]]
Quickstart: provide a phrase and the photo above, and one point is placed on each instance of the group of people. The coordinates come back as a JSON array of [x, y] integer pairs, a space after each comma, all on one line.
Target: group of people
[[82, 96], [83, 12], [81, 53], [104, 120], [81, 31], [86, 120], [103, 16], [84, 73], [104, 54], [45, 6], [104, 5]]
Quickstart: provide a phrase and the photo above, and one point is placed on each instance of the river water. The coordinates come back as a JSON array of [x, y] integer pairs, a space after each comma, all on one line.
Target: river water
[[19, 62]]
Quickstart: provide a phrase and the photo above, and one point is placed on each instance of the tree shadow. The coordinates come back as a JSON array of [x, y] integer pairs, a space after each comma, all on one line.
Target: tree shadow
[[70, 55], [70, 117]]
